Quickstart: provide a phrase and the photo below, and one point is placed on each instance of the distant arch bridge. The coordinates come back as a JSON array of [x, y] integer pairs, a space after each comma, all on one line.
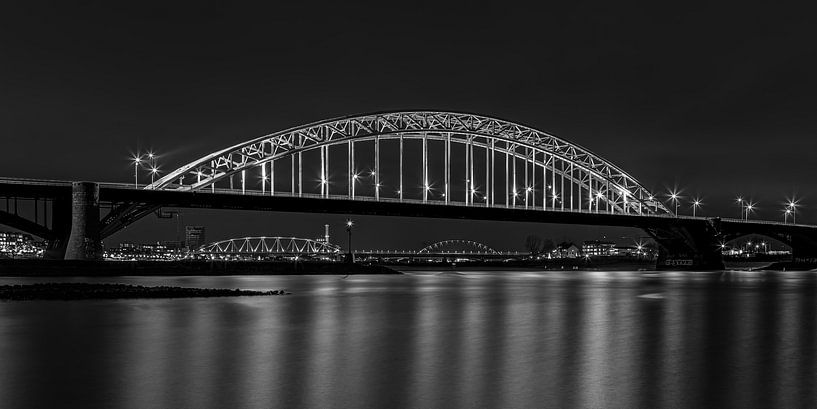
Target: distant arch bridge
[[457, 246]]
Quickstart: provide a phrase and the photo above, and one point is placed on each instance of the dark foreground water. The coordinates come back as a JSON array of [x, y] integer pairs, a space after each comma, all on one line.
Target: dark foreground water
[[450, 340]]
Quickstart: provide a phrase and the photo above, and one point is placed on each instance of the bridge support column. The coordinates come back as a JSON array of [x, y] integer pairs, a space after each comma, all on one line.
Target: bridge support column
[[689, 245], [84, 242], [804, 249]]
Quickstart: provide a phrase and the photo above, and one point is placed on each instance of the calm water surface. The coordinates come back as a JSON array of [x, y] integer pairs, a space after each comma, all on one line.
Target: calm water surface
[[425, 340]]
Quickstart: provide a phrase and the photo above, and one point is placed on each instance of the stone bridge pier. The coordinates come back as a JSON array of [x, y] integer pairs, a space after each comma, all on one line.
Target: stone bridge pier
[[84, 241], [687, 244]]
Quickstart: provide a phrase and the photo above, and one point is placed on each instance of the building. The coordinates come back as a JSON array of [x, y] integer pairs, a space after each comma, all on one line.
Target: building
[[595, 248], [175, 245], [133, 251], [194, 237], [566, 250], [19, 245], [325, 238], [630, 251]]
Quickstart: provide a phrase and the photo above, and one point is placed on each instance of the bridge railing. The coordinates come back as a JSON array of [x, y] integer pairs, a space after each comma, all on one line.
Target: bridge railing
[[36, 182], [767, 222], [437, 202], [62, 183], [434, 202]]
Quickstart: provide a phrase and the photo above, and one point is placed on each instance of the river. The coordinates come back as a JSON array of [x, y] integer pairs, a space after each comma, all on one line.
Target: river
[[423, 340]]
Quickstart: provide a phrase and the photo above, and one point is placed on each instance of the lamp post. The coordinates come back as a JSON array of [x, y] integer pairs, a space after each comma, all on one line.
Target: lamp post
[[749, 207], [786, 213], [598, 196], [349, 224], [674, 198], [528, 192], [137, 160], [792, 205], [153, 169], [740, 205], [695, 205]]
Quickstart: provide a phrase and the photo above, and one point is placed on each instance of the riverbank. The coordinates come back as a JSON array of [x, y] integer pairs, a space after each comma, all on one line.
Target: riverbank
[[87, 291], [105, 268]]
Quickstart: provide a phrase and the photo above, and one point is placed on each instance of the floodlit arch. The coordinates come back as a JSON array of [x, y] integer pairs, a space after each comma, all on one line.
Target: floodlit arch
[[570, 177]]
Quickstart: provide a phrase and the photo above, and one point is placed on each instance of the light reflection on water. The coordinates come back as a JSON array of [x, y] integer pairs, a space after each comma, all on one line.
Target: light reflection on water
[[423, 340]]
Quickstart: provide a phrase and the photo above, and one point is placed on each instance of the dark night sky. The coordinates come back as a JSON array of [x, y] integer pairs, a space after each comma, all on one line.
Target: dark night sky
[[718, 101]]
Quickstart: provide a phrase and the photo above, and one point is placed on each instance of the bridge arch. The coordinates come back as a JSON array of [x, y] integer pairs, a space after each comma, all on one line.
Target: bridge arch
[[261, 246], [770, 238], [443, 245], [514, 156]]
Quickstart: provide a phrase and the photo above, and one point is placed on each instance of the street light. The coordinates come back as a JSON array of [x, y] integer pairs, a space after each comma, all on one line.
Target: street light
[[749, 207], [674, 198], [792, 205], [598, 196], [740, 204], [695, 205], [137, 160], [786, 213], [154, 169], [349, 224]]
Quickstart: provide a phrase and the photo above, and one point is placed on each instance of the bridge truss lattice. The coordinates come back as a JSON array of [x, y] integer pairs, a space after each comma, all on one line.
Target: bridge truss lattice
[[267, 246], [421, 156]]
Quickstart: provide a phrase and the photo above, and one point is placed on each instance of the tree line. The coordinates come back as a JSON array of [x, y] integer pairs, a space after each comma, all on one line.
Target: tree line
[[535, 245]]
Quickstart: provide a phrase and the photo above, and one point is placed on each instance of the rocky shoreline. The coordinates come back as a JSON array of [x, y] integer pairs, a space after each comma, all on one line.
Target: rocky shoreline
[[87, 291], [107, 268]]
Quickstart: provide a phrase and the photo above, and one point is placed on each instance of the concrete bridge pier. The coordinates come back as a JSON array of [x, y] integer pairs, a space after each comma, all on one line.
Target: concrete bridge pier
[[84, 242], [803, 248], [691, 245]]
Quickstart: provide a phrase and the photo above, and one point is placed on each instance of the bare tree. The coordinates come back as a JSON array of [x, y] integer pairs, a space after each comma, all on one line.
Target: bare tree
[[533, 244], [547, 246]]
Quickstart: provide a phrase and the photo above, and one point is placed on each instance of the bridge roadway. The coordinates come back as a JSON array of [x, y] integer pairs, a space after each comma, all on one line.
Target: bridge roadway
[[685, 240]]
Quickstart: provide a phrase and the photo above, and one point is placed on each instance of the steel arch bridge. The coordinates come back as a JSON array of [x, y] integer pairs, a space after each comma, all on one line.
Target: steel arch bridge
[[261, 246], [440, 246], [409, 157]]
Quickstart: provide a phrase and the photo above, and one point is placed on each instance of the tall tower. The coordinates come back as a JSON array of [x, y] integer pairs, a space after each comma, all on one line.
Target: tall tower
[[194, 237]]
